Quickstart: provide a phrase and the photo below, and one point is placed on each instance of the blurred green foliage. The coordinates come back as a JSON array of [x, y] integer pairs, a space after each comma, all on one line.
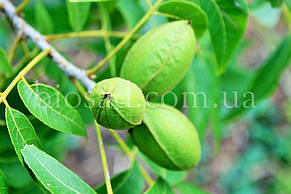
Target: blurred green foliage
[[261, 165]]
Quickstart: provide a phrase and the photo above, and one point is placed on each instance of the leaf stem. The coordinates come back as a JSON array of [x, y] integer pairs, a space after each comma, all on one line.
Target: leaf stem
[[90, 33], [105, 22], [123, 145], [22, 73], [24, 47], [131, 156], [14, 46], [23, 4], [287, 14], [149, 3], [126, 38], [103, 158], [146, 176], [80, 88], [24, 59], [2, 123], [166, 15]]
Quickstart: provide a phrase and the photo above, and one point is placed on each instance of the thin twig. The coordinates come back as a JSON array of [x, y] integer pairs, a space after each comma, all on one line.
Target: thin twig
[[14, 46], [149, 3], [131, 155], [126, 39], [24, 47], [81, 89], [22, 73], [103, 158], [41, 42], [146, 176], [123, 145], [23, 4]]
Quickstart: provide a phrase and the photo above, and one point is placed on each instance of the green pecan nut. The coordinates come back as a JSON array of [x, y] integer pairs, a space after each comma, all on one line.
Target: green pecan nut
[[159, 60], [167, 137], [117, 103]]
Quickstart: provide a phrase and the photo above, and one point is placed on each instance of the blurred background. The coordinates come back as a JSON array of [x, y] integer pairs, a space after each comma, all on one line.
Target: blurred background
[[248, 154]]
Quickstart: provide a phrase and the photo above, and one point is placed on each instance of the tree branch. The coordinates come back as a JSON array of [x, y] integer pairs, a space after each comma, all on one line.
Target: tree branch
[[41, 42]]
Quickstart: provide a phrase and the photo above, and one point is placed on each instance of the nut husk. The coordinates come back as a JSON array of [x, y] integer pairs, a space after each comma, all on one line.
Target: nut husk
[[117, 103], [167, 137], [159, 60]]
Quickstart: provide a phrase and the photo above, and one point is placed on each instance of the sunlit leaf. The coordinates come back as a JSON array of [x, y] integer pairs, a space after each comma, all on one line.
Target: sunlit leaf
[[54, 176], [50, 106]]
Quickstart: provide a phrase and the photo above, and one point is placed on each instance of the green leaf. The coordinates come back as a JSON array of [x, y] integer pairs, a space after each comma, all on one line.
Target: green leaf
[[3, 184], [216, 28], [186, 188], [50, 106], [131, 11], [78, 14], [129, 181], [187, 11], [52, 174], [5, 66], [288, 4], [20, 130], [227, 24], [235, 17], [201, 97], [160, 186], [267, 78], [5, 144], [276, 3], [67, 88], [17, 176], [170, 176], [43, 19]]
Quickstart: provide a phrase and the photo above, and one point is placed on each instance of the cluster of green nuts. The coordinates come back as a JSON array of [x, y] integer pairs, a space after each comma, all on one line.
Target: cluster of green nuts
[[155, 64]]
